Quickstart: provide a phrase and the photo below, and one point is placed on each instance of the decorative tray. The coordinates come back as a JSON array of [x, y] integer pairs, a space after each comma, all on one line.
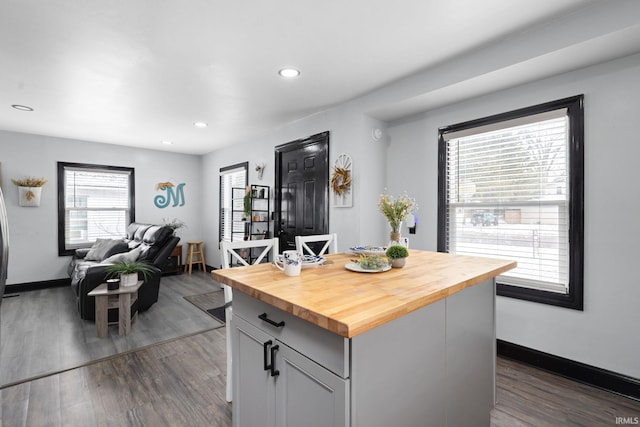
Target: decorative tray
[[308, 261], [353, 266], [368, 250]]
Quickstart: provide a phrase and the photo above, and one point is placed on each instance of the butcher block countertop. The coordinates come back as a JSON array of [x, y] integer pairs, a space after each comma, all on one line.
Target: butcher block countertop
[[349, 303]]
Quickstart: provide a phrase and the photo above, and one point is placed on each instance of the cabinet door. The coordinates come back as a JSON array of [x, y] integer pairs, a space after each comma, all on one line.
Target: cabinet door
[[307, 394], [253, 386]]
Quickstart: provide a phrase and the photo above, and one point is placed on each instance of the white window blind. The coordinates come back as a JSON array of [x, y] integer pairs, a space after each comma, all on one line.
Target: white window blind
[[96, 205], [231, 201], [508, 197]]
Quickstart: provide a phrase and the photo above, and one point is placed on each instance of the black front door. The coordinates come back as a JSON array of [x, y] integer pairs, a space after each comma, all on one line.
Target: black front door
[[302, 189]]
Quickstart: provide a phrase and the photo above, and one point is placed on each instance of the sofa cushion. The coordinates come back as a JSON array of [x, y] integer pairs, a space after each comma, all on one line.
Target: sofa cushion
[[136, 231], [104, 248], [128, 257]]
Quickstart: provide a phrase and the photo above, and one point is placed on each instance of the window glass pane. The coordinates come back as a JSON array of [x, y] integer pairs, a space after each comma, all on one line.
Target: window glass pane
[[507, 197], [96, 204], [232, 187]]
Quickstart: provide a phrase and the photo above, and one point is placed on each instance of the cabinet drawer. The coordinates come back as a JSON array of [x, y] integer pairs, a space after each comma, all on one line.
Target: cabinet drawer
[[318, 344]]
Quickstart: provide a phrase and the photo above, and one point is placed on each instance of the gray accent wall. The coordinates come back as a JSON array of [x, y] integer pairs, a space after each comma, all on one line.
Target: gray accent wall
[[33, 231]]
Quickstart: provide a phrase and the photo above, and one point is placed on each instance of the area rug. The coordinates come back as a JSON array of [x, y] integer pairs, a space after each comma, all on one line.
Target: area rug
[[211, 302]]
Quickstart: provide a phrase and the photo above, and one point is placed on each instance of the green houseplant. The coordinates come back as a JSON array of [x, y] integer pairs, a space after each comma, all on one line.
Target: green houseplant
[[128, 271], [175, 224], [247, 203], [397, 254], [396, 210]]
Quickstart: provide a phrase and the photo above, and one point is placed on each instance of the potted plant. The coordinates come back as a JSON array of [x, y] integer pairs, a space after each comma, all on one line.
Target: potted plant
[[29, 190], [128, 271], [247, 203], [175, 224], [396, 210], [397, 254]]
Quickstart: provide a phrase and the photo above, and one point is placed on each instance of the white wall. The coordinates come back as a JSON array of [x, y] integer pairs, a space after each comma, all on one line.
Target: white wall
[[350, 133], [605, 334], [33, 231]]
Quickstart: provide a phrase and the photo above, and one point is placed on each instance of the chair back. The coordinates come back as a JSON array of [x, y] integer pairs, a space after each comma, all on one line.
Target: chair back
[[331, 241], [232, 251]]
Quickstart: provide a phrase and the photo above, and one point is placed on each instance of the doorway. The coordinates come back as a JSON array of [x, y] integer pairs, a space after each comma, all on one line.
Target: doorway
[[301, 194]]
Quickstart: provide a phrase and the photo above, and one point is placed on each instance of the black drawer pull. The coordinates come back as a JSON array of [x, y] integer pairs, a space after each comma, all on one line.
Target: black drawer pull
[[274, 371], [264, 317], [265, 347]]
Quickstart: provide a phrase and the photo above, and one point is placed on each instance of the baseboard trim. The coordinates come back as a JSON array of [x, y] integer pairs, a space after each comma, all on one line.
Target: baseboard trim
[[34, 286], [586, 374]]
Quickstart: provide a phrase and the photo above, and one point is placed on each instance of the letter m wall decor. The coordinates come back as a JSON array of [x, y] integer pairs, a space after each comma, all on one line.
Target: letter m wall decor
[[172, 194]]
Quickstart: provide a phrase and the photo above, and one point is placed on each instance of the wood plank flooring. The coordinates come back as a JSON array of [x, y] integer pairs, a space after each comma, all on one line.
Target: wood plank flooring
[[181, 382], [43, 333], [527, 396], [176, 383]]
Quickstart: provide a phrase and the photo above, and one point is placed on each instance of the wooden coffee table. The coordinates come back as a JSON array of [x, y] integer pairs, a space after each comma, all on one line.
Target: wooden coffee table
[[122, 298]]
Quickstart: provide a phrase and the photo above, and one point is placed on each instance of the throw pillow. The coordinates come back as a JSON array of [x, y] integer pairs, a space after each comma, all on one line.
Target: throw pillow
[[118, 248], [130, 256], [101, 248]]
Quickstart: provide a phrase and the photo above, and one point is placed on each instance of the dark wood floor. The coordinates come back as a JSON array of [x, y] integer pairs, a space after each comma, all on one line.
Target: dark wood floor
[[176, 383], [181, 382], [42, 332], [527, 396]]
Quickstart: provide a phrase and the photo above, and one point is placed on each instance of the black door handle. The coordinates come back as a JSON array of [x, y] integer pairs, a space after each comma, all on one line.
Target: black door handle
[[274, 371], [265, 347], [264, 317]]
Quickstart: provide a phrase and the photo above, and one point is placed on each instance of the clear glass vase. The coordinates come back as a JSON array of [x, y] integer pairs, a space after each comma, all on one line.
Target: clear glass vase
[[394, 236]]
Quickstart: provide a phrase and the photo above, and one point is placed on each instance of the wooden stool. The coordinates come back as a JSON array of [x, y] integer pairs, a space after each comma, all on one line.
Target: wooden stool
[[194, 248]]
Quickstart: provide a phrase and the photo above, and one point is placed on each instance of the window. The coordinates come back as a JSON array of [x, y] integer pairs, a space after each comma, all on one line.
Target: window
[[94, 201], [231, 228], [511, 186]]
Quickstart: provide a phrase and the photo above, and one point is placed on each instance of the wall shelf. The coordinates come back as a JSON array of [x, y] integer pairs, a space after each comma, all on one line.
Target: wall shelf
[[257, 225]]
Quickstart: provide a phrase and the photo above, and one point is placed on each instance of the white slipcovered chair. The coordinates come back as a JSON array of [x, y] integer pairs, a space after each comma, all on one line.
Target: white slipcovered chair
[[231, 252], [330, 239]]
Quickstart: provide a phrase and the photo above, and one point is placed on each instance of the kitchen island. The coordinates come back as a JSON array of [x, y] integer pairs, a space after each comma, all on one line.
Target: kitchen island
[[413, 346]]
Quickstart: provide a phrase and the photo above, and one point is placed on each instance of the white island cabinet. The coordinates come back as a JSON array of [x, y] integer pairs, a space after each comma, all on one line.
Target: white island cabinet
[[276, 385], [337, 348]]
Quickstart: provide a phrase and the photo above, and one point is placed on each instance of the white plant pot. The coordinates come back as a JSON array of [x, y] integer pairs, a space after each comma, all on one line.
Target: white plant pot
[[29, 196], [129, 279], [398, 262]]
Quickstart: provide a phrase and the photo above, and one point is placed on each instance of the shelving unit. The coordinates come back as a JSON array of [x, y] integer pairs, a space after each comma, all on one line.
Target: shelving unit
[[257, 225], [239, 223], [259, 221]]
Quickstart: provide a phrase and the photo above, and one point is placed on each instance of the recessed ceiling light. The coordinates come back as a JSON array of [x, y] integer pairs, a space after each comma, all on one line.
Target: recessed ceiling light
[[289, 73], [167, 142], [200, 124], [22, 107]]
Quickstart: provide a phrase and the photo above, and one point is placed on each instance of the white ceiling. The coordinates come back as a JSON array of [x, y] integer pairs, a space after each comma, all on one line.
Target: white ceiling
[[141, 71]]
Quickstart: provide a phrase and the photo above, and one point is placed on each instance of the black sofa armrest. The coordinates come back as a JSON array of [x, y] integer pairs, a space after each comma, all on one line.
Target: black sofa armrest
[[94, 276], [81, 253], [162, 256]]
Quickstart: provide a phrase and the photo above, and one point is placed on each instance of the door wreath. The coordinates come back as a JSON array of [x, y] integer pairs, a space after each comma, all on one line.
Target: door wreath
[[341, 181]]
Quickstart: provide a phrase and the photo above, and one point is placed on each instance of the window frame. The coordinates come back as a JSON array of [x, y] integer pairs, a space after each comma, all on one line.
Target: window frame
[[244, 165], [62, 247], [574, 298]]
